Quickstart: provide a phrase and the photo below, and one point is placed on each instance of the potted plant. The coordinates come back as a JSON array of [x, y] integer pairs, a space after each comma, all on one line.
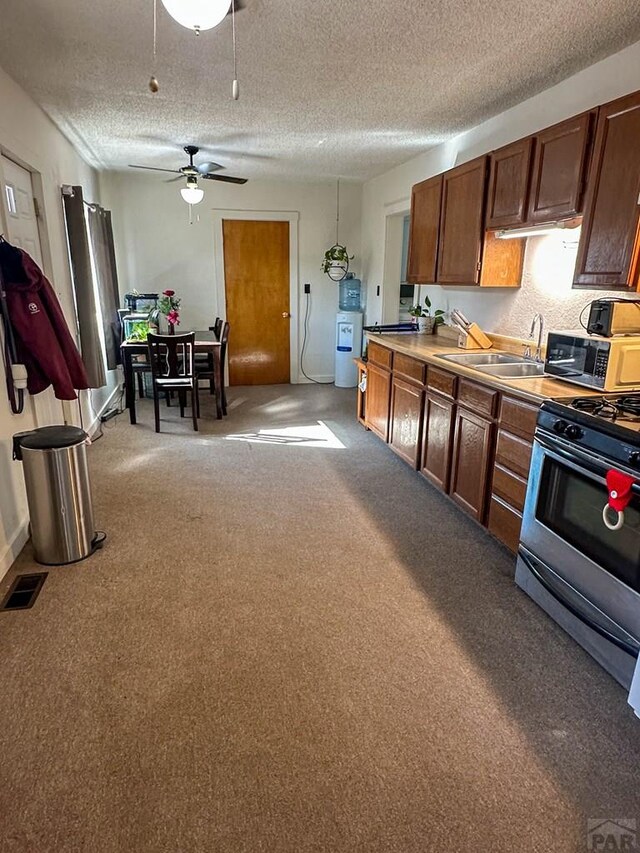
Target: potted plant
[[336, 262], [425, 321], [168, 305]]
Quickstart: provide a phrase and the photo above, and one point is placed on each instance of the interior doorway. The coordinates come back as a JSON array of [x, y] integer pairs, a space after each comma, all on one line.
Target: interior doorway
[[398, 295], [256, 257]]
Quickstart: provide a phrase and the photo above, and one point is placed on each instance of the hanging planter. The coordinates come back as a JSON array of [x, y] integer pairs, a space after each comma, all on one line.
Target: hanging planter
[[336, 262]]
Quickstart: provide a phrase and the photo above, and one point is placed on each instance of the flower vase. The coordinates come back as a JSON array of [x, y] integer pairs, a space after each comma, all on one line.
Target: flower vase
[[172, 328], [426, 324]]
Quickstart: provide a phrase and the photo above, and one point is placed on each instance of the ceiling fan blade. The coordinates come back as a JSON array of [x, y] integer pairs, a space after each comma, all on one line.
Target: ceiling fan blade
[[209, 168], [153, 169], [226, 178]]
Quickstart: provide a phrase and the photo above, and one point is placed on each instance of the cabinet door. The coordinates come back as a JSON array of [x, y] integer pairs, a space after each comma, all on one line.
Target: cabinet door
[[471, 457], [559, 172], [437, 440], [424, 226], [462, 223], [608, 250], [406, 420], [361, 396], [509, 184], [378, 400]]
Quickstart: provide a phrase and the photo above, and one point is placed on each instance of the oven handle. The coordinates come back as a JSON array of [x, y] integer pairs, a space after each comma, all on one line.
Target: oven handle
[[581, 462], [620, 643]]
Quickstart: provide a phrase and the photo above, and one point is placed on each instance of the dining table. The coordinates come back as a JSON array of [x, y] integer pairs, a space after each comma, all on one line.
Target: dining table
[[206, 342]]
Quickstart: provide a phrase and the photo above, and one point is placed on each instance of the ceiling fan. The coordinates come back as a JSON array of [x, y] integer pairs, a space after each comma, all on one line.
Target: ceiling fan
[[192, 193]]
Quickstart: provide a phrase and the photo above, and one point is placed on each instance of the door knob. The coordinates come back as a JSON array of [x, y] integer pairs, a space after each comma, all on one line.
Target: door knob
[[285, 314]]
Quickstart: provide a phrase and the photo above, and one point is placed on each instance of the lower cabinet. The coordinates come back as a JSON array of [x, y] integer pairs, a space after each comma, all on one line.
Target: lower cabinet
[[378, 400], [437, 440], [472, 451], [361, 395], [405, 426]]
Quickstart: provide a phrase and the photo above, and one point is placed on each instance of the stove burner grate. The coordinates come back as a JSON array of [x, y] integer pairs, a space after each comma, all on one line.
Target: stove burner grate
[[625, 407]]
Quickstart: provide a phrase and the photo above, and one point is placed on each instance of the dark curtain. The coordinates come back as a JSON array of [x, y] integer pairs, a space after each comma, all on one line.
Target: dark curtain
[[86, 308], [101, 237]]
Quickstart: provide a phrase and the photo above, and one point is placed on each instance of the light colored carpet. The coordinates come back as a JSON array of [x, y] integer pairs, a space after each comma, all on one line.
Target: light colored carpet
[[292, 646]]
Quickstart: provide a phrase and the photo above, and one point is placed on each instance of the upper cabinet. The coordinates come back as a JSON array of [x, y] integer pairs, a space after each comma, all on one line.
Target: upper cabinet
[[462, 223], [560, 166], [426, 198], [608, 254], [509, 185]]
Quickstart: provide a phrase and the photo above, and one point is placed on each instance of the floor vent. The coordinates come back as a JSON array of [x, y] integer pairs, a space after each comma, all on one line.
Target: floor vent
[[23, 591]]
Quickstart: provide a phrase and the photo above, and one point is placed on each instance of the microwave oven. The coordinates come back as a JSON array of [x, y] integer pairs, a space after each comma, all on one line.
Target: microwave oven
[[604, 364]]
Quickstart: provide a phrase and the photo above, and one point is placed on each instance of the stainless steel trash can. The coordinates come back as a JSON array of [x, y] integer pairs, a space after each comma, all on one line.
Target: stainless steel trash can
[[56, 475]]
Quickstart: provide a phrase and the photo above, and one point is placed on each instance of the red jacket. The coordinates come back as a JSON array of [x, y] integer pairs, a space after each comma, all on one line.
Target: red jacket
[[43, 341]]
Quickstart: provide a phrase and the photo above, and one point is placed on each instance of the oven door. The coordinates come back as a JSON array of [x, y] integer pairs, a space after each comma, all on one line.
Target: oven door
[[562, 526]]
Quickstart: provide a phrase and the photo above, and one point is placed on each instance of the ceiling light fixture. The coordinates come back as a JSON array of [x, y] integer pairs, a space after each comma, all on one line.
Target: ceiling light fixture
[[192, 193], [197, 15]]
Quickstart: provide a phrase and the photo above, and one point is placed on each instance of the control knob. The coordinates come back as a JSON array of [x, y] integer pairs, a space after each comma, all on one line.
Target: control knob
[[634, 458], [560, 426], [573, 431]]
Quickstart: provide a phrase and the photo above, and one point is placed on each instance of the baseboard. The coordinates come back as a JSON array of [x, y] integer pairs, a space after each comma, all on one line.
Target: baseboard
[[313, 377], [95, 424], [15, 545]]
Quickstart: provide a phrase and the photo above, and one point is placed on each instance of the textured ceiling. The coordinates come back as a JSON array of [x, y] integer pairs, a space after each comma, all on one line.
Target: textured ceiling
[[328, 87]]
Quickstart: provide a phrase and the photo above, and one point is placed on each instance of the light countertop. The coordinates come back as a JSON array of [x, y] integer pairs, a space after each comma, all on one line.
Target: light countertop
[[429, 349]]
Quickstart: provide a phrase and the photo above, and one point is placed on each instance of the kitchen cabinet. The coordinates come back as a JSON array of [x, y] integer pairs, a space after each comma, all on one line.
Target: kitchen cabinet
[[508, 191], [609, 249], [424, 227], [437, 439], [514, 445], [462, 223], [405, 426], [378, 399], [560, 167], [472, 451], [361, 397]]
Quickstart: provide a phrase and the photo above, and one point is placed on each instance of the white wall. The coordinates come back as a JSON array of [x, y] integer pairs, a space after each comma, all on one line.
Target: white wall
[[29, 137], [548, 269], [156, 247]]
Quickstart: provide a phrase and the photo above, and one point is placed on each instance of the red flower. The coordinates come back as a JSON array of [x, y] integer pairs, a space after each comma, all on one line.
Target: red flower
[[173, 317], [168, 292]]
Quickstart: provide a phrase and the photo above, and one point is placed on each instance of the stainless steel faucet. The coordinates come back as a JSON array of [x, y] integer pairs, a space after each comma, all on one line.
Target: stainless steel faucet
[[539, 319]]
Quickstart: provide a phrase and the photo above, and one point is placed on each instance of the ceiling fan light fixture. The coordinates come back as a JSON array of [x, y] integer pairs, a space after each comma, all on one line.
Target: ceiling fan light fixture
[[197, 15], [192, 193]]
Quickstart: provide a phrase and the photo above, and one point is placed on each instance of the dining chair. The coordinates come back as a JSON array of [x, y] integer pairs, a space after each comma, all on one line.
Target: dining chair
[[173, 369], [223, 337], [217, 326]]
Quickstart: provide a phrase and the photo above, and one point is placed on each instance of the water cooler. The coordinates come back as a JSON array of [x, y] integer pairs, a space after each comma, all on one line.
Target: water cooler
[[348, 332]]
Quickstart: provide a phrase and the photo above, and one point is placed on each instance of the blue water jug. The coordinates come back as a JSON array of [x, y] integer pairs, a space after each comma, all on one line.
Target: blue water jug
[[349, 299]]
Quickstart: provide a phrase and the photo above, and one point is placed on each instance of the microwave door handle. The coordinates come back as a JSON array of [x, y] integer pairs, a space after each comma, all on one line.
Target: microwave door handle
[[599, 629]]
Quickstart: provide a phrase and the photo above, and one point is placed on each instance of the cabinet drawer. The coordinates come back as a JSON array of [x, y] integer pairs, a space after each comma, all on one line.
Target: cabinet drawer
[[380, 355], [477, 398], [409, 368], [518, 417], [509, 487], [505, 523], [440, 380], [513, 453]]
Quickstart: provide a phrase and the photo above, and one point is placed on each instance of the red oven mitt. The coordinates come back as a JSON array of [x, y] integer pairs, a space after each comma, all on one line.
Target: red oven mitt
[[619, 486]]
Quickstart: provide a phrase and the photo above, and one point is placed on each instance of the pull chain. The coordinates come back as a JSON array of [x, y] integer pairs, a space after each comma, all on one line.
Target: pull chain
[[338, 213], [235, 89], [153, 82]]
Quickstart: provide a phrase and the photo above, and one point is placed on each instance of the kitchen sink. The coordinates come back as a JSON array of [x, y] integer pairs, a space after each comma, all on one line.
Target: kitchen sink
[[513, 371], [474, 359]]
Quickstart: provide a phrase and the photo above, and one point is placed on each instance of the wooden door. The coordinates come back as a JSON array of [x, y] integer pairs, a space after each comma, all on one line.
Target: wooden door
[[609, 244], [256, 270], [406, 420], [437, 440], [560, 166], [471, 457], [378, 400], [462, 223], [509, 184], [424, 227]]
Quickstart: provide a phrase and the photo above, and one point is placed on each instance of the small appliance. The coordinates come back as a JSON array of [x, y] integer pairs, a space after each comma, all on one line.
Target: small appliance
[[609, 317], [605, 364], [348, 332]]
